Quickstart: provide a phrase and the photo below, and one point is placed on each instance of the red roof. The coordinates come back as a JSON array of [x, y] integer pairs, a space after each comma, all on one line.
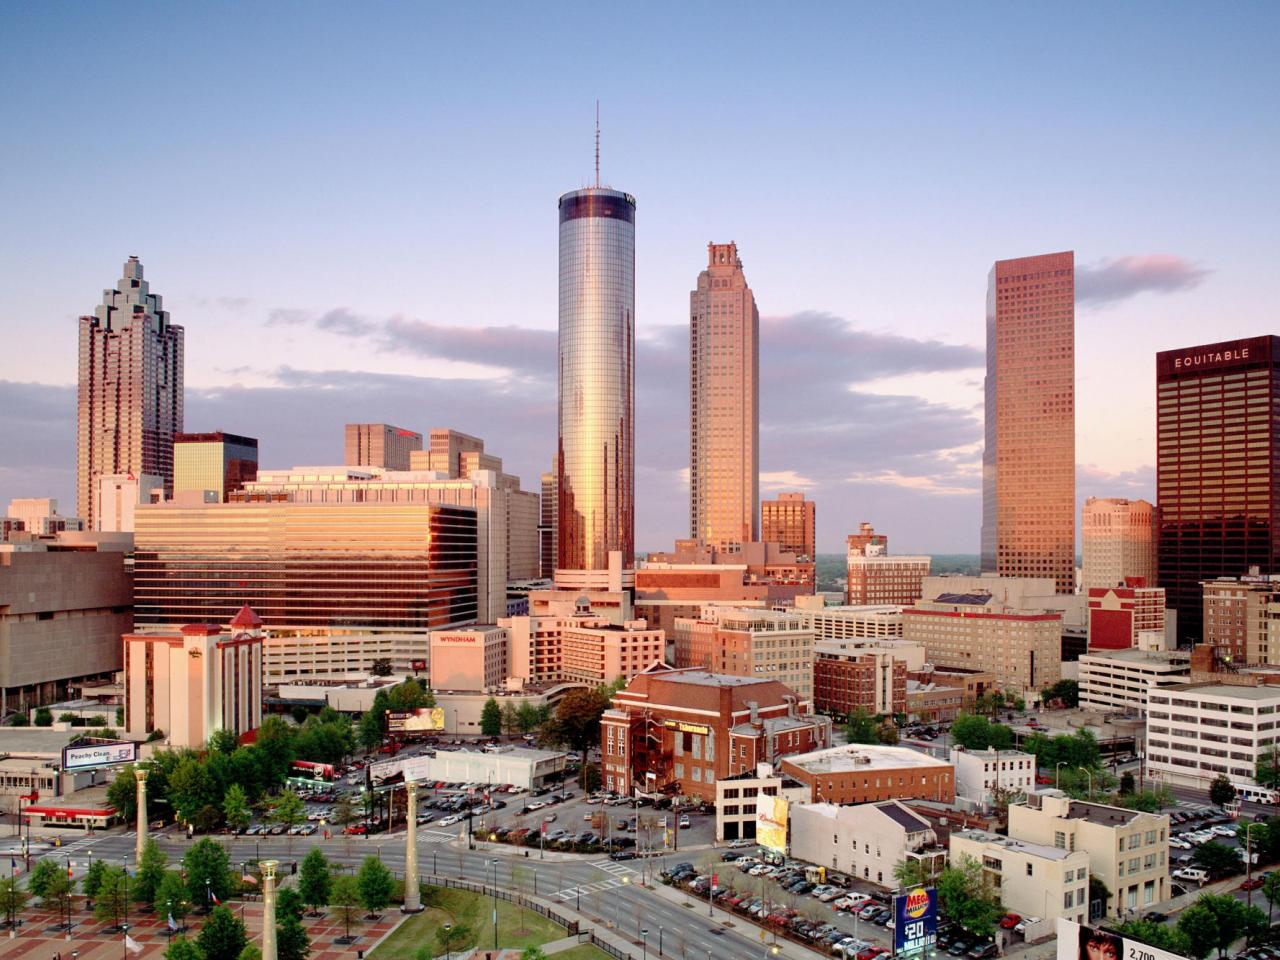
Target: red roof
[[246, 619]]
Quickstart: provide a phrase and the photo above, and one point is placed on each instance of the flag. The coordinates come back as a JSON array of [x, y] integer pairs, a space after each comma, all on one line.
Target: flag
[[216, 901], [172, 924], [132, 945], [69, 873], [13, 864]]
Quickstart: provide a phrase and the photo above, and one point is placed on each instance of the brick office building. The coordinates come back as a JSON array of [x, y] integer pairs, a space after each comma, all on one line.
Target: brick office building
[[681, 731], [874, 681], [865, 773]]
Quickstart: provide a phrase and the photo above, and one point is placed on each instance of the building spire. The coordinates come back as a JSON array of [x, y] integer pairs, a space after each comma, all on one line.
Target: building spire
[[597, 144]]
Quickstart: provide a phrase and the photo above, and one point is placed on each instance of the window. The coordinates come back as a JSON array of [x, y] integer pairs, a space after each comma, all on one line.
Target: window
[[1067, 899], [1029, 872], [1060, 840]]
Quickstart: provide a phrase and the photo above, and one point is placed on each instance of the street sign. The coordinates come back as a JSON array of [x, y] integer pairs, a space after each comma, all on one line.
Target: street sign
[[915, 927]]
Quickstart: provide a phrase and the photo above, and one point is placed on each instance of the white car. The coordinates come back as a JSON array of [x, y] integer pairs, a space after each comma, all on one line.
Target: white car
[[1025, 922], [1179, 844], [828, 895], [450, 820], [1224, 830], [738, 844]]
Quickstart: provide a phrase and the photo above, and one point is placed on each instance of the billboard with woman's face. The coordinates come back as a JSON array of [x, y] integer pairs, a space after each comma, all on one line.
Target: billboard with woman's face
[[1078, 942]]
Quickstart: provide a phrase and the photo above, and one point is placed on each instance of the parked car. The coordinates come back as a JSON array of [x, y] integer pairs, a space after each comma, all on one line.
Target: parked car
[[1009, 921], [1021, 926], [983, 950], [1253, 883]]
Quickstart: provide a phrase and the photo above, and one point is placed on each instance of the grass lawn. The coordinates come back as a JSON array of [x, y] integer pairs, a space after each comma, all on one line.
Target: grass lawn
[[517, 928], [583, 951]]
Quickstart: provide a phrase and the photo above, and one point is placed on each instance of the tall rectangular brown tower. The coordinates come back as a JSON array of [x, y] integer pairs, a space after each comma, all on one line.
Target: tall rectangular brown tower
[[724, 403], [1029, 461], [1218, 453], [791, 522]]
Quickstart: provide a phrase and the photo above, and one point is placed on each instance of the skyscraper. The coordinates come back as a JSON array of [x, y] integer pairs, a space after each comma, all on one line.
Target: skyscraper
[[129, 395], [1217, 456], [596, 422], [1117, 542], [724, 403], [379, 445], [1029, 461], [791, 522]]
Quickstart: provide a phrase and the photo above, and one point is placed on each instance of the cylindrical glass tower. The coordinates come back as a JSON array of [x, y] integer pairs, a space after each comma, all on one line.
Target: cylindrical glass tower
[[597, 378]]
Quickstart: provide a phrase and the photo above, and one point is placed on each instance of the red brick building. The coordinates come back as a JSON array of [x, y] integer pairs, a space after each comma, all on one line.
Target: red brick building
[[680, 731], [866, 773], [874, 682], [1118, 614]]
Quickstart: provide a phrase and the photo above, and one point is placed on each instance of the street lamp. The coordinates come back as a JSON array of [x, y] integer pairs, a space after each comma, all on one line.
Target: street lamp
[[644, 940], [659, 940], [494, 864], [169, 920], [616, 900], [1057, 773], [448, 940], [1088, 774], [1248, 861]]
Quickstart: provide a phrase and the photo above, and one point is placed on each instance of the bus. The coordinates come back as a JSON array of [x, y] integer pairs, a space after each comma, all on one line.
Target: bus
[[1255, 794]]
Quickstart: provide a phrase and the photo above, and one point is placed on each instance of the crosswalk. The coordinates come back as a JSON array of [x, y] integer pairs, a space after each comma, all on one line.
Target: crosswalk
[[617, 872], [435, 836]]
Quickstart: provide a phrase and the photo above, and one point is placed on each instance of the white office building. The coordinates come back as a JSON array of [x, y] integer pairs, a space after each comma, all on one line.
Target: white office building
[[1201, 730], [1121, 680]]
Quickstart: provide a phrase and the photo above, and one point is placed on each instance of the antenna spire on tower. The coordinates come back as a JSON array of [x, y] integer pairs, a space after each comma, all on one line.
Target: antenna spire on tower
[[597, 143]]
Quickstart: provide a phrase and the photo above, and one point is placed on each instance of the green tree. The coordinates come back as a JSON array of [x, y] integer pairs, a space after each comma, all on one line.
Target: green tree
[[578, 721], [533, 953], [509, 720], [375, 884], [381, 667], [172, 897], [183, 949], [1230, 920], [288, 810], [13, 899], [208, 871], [58, 892], [491, 718], [1268, 772], [122, 794], [43, 875], [44, 717], [92, 881], [1218, 859], [526, 717], [315, 880], [224, 742], [235, 807], [289, 904], [275, 743], [345, 897], [971, 732], [250, 952], [1221, 792], [223, 936], [1127, 783], [1065, 692], [292, 942], [370, 730], [344, 813], [19, 720], [966, 895], [1271, 890], [151, 870], [1158, 935], [999, 737], [861, 727], [1199, 926], [111, 901], [887, 732], [191, 788], [912, 873]]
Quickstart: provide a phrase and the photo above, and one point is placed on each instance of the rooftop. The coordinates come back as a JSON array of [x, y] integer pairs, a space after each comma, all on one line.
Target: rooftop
[[1021, 846], [1229, 691], [704, 678], [991, 754], [1101, 813], [899, 814], [35, 741], [973, 598], [854, 757], [1153, 657]]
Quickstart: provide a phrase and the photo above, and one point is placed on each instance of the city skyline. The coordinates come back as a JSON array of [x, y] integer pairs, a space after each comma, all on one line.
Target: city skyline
[[856, 356]]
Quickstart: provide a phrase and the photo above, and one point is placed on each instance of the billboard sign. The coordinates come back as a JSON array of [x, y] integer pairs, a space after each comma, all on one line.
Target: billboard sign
[[105, 753], [771, 823], [422, 720], [1078, 942], [915, 925]]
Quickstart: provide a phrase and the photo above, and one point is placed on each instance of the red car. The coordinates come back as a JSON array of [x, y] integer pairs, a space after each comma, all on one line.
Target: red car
[[1253, 883], [357, 830], [1044, 781], [1009, 921]]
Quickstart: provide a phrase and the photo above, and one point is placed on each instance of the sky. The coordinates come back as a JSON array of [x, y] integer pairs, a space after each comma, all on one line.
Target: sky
[[352, 211]]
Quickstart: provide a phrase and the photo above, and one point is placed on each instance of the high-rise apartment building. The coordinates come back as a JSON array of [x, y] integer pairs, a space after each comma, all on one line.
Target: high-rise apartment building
[[380, 445], [596, 419], [1242, 618], [221, 462], [748, 642], [790, 521], [724, 403], [1217, 455], [129, 394], [1120, 615], [865, 537], [1118, 541], [1029, 460]]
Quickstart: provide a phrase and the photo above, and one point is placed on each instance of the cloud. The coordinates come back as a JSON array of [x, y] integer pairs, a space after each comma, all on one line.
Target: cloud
[[784, 480], [1094, 481], [521, 349], [930, 485], [1109, 281], [345, 322]]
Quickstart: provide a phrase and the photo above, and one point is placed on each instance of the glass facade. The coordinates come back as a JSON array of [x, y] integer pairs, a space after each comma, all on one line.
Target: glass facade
[[1029, 458], [222, 462], [391, 566], [1218, 420], [596, 452]]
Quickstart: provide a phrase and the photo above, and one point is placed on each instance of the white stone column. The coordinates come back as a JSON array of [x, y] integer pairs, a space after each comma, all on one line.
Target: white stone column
[[412, 895], [268, 909], [141, 776]]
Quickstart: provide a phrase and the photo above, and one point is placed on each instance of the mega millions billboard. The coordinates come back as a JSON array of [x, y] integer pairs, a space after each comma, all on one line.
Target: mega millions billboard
[[915, 925], [1078, 942], [771, 823], [422, 720], [106, 753]]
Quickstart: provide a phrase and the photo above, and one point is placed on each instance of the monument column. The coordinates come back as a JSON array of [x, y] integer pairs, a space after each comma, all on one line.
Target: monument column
[[412, 895], [268, 909], [141, 776]]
